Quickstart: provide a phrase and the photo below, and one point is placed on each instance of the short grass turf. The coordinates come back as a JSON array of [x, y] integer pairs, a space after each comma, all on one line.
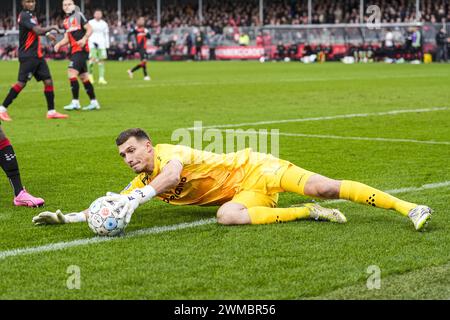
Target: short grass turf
[[70, 163]]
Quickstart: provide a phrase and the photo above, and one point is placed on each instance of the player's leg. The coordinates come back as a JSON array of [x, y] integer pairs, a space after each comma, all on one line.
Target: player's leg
[[236, 211], [43, 74], [134, 69], [248, 207], [144, 68], [91, 62], [91, 69], [101, 66], [12, 94], [9, 163], [26, 69], [144, 64], [10, 166], [89, 88], [50, 97], [232, 213], [101, 72], [72, 74], [304, 182]]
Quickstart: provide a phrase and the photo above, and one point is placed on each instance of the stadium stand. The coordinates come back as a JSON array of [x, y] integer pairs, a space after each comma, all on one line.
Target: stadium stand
[[224, 21]]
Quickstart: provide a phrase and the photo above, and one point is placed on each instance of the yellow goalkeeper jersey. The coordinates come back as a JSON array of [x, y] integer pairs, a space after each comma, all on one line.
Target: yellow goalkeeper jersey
[[212, 179]]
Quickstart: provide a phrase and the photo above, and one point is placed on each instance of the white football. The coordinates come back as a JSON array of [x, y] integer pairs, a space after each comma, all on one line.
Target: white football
[[104, 218]]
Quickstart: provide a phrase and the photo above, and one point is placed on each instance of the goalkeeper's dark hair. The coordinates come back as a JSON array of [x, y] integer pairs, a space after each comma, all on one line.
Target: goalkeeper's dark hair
[[138, 133]]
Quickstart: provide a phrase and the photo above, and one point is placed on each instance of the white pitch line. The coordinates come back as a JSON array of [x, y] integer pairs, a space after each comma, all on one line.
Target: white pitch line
[[339, 116], [322, 136], [177, 83], [156, 230], [94, 240]]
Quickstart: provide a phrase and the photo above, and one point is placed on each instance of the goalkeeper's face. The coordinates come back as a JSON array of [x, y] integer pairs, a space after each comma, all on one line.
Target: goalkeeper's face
[[137, 154]]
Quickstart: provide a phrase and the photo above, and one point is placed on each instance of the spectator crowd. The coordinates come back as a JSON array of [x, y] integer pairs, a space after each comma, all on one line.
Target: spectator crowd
[[221, 19], [218, 14]]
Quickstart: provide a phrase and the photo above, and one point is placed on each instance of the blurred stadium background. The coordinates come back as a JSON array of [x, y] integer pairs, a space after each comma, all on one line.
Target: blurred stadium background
[[408, 30]]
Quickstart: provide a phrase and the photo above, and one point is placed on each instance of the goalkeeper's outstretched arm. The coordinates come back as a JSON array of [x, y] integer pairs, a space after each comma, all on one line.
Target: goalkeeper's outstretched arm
[[166, 180]]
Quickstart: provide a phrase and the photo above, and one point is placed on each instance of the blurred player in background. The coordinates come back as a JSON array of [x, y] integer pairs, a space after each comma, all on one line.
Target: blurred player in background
[[78, 31], [31, 61], [141, 35], [98, 44]]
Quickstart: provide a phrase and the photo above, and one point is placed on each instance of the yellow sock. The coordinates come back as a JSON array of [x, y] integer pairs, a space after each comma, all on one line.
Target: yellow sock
[[361, 193], [265, 215]]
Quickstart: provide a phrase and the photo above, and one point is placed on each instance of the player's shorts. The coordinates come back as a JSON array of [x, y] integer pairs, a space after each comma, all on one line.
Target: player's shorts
[[142, 54], [78, 61], [262, 182], [99, 54], [33, 67]]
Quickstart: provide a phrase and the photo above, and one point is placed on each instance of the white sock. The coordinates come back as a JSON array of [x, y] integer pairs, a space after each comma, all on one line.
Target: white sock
[[94, 102], [76, 102], [51, 111], [2, 109]]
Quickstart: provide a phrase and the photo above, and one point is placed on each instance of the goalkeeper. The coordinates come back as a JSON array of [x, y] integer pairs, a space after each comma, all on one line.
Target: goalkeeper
[[244, 184]]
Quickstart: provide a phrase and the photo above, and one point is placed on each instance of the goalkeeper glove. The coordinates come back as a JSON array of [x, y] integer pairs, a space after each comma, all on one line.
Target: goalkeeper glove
[[129, 203], [48, 217]]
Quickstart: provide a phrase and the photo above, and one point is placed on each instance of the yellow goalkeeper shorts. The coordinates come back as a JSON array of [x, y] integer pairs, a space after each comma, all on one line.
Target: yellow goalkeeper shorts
[[262, 183]]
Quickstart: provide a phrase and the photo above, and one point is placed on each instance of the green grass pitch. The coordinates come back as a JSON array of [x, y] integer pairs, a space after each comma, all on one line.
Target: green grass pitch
[[71, 163]]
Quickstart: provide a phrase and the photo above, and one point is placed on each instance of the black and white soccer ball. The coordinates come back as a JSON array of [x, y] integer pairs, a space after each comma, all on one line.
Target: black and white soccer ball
[[104, 218]]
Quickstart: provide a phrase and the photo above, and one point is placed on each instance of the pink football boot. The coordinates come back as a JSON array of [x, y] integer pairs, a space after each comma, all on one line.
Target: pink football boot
[[56, 115], [27, 200], [4, 116]]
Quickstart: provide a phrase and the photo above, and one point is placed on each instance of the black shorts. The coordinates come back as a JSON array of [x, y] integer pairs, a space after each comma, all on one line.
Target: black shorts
[[33, 67], [142, 54], [78, 61]]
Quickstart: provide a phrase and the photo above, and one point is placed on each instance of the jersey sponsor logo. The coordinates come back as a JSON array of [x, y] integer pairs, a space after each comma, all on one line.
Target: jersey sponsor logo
[[145, 179], [177, 192], [34, 20]]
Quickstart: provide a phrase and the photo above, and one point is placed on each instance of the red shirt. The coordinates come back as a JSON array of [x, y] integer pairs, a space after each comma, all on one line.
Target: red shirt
[[74, 25], [141, 35]]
